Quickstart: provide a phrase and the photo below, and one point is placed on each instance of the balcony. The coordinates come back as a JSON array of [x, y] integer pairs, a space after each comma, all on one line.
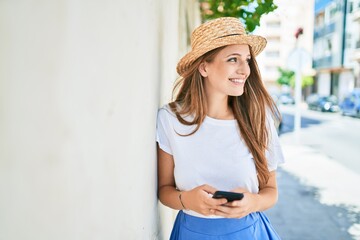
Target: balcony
[[322, 31], [324, 62], [356, 54], [356, 15]]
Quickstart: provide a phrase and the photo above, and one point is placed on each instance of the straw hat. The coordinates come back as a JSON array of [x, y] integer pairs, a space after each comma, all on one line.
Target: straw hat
[[218, 33]]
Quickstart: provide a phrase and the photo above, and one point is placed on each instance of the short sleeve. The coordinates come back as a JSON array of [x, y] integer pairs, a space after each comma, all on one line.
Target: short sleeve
[[162, 130], [274, 152]]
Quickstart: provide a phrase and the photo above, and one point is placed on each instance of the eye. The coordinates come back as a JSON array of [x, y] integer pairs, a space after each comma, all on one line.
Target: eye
[[234, 59]]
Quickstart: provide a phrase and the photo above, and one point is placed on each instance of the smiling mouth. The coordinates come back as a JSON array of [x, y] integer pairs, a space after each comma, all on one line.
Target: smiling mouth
[[237, 80]]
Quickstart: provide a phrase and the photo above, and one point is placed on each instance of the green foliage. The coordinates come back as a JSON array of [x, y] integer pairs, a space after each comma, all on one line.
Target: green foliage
[[287, 77], [307, 81], [250, 11]]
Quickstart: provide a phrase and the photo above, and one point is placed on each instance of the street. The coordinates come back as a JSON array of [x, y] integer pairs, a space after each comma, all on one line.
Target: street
[[335, 135], [319, 195]]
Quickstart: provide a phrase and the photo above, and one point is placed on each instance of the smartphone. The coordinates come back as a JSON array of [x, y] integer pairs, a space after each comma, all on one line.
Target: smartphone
[[230, 196]]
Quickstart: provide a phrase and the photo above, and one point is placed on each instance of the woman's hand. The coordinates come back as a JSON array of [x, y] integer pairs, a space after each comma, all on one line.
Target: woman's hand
[[199, 200], [265, 199], [241, 208]]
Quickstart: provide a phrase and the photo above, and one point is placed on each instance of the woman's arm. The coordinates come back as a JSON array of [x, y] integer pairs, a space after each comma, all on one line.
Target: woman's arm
[[197, 199], [265, 199], [268, 195], [167, 193]]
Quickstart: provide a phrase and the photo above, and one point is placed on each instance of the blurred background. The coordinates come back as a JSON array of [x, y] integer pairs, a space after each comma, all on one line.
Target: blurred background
[[80, 85]]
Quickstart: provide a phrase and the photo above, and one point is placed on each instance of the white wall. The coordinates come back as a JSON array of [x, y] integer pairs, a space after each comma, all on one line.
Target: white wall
[[79, 90], [169, 57], [324, 83], [179, 18], [346, 84]]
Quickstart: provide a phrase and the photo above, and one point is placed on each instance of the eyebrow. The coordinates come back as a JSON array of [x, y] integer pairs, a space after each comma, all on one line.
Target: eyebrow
[[237, 54]]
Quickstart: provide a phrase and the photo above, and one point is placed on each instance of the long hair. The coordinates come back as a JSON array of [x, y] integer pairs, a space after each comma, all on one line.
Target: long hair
[[249, 109]]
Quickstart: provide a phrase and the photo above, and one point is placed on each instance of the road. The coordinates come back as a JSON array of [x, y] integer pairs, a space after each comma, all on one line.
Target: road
[[319, 195], [335, 135]]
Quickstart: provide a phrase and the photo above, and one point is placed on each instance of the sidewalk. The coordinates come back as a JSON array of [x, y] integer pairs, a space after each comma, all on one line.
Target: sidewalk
[[308, 209]]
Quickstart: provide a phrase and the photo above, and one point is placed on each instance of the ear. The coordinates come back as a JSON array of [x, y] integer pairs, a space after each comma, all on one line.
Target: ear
[[202, 69]]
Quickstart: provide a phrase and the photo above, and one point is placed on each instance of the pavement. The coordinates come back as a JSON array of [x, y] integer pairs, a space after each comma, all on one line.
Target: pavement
[[312, 204]]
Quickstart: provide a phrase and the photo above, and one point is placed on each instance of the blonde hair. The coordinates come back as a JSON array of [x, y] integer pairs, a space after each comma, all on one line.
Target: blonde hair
[[249, 109]]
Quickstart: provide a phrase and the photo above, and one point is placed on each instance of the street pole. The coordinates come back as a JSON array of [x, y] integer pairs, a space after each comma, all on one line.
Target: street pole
[[298, 83], [297, 117]]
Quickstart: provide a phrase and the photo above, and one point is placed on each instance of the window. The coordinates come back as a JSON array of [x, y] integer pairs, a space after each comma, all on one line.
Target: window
[[271, 69], [272, 54], [348, 40], [273, 40], [351, 7], [273, 24], [319, 19], [329, 45], [333, 11]]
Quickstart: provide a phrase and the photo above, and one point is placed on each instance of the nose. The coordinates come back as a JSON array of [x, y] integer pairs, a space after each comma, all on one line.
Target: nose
[[242, 75], [243, 69]]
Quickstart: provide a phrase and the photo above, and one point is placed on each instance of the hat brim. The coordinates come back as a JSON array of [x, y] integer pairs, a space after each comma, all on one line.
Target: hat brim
[[257, 44]]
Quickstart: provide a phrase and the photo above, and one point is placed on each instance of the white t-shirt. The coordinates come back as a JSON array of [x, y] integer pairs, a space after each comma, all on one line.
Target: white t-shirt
[[215, 154]]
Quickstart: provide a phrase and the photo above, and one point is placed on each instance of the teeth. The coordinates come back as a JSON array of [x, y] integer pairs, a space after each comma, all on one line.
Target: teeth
[[237, 80]]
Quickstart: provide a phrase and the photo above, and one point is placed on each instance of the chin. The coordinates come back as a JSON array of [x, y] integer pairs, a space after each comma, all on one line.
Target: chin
[[236, 94]]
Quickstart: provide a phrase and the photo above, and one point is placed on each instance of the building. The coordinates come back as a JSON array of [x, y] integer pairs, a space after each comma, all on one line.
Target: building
[[279, 28], [336, 35], [352, 49]]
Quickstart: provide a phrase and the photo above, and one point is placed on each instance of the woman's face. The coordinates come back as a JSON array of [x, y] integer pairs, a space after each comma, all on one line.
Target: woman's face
[[226, 74]]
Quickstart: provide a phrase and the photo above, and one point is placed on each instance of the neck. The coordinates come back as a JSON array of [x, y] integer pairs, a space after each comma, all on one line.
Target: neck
[[217, 107]]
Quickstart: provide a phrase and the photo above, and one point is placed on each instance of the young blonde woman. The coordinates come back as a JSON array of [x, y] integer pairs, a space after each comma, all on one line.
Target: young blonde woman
[[219, 134]]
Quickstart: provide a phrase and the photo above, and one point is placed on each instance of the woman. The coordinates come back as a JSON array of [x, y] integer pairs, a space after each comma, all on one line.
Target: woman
[[219, 134]]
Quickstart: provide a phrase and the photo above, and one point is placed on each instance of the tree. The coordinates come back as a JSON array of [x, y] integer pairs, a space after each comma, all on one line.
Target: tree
[[250, 11], [287, 77], [305, 81]]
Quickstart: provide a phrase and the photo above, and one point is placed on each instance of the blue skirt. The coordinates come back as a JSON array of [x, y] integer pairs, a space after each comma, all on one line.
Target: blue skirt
[[254, 226]]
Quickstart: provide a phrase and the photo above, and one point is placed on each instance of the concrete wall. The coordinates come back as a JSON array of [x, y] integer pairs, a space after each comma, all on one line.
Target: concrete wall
[[324, 83], [79, 91], [346, 84], [169, 57], [185, 14]]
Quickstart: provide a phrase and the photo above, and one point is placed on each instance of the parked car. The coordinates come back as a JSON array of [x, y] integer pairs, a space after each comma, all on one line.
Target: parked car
[[323, 103], [351, 104], [285, 98]]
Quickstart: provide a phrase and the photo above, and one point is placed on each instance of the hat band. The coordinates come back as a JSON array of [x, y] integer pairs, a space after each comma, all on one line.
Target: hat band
[[234, 34]]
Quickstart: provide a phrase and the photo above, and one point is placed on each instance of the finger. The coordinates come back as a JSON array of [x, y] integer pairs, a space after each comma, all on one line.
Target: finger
[[224, 210], [212, 202], [208, 188], [233, 204], [229, 212], [207, 211]]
